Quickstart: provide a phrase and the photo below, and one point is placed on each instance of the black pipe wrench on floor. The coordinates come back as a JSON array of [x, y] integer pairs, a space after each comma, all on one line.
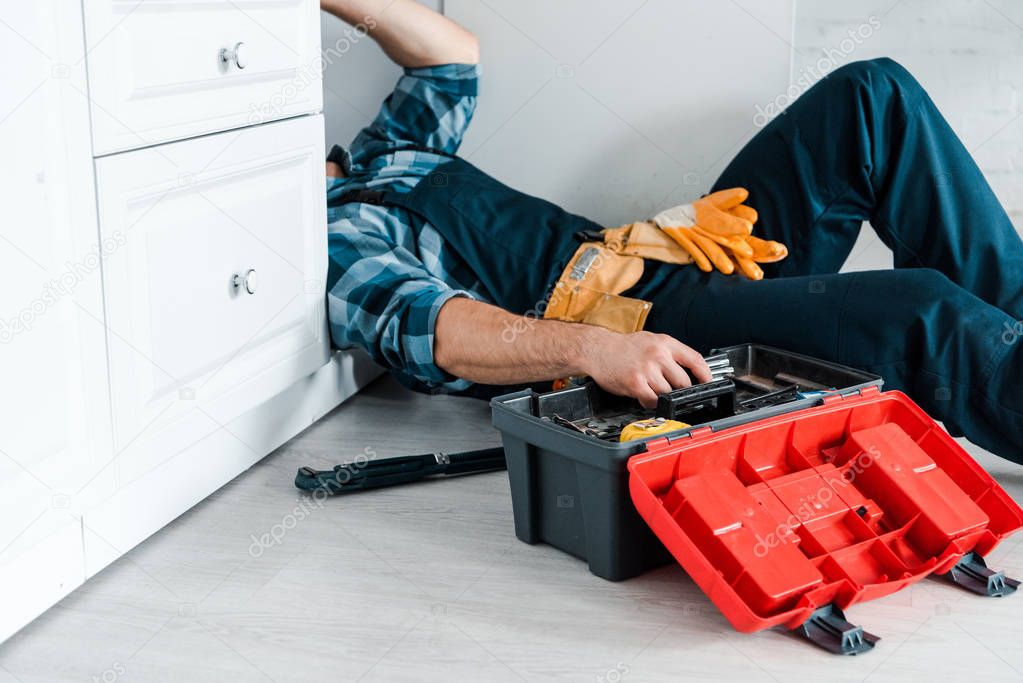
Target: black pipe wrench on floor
[[374, 474]]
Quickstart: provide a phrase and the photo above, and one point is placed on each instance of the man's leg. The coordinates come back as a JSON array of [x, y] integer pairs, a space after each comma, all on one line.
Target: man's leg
[[953, 353], [867, 143]]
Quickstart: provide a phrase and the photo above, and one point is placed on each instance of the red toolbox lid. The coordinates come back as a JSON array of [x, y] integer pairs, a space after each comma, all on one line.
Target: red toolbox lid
[[833, 505]]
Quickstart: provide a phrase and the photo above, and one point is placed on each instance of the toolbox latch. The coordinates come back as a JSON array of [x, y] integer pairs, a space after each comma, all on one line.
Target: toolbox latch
[[701, 432], [828, 629], [666, 442], [829, 399]]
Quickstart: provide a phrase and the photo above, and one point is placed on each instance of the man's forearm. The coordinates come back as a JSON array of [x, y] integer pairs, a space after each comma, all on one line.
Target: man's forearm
[[411, 34], [485, 344], [489, 345]]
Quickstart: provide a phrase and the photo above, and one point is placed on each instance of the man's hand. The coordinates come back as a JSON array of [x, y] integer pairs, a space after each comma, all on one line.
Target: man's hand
[[643, 365], [483, 343]]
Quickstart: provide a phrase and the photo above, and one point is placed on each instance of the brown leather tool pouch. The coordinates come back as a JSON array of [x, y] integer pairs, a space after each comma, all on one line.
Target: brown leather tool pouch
[[648, 241], [588, 290]]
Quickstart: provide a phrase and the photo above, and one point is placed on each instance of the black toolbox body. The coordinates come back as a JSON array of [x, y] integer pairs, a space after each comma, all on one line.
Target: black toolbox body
[[571, 490]]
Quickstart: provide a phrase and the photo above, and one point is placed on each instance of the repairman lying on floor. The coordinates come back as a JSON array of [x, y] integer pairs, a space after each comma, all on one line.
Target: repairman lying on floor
[[432, 261]]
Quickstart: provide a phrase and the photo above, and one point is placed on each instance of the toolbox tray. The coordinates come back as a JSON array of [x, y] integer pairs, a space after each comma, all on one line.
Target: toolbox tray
[[832, 505], [572, 491]]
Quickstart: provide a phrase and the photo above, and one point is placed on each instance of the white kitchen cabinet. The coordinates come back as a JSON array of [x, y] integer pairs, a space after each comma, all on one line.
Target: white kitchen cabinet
[[162, 70], [215, 300], [162, 319]]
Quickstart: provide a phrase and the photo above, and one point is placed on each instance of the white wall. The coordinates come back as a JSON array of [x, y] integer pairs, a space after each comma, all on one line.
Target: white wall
[[616, 108]]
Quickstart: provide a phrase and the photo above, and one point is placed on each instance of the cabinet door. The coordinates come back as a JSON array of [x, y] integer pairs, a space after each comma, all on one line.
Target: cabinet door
[[215, 294], [156, 71]]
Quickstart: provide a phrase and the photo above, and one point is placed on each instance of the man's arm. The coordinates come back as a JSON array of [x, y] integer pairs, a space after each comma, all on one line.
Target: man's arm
[[483, 343], [411, 34]]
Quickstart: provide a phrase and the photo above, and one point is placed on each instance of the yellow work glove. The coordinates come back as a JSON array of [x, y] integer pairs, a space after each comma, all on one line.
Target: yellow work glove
[[716, 231]]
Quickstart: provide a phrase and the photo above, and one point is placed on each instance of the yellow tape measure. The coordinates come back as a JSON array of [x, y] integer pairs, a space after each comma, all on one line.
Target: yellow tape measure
[[644, 429]]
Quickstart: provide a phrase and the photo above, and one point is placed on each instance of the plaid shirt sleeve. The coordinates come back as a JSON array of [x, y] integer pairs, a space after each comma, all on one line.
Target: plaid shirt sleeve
[[430, 106], [382, 297], [385, 302]]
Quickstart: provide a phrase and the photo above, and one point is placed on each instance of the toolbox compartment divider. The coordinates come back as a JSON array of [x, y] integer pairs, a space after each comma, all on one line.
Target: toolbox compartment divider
[[865, 527]]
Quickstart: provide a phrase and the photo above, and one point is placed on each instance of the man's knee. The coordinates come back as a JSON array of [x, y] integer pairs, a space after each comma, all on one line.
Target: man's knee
[[922, 277], [894, 314], [919, 284], [882, 76], [905, 294]]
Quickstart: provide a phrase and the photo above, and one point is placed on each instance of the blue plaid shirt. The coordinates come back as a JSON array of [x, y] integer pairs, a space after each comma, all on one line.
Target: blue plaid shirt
[[390, 270]]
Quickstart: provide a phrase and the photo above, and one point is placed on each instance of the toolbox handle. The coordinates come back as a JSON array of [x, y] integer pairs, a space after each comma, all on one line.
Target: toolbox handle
[[698, 403]]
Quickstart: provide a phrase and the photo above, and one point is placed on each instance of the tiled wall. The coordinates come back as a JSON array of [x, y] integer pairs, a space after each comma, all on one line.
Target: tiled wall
[[968, 54]]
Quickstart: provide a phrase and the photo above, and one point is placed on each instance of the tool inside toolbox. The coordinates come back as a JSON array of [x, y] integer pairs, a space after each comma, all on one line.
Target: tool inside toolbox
[[744, 379]]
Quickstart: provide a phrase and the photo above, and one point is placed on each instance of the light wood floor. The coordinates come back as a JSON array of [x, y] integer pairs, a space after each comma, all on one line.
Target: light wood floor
[[428, 583]]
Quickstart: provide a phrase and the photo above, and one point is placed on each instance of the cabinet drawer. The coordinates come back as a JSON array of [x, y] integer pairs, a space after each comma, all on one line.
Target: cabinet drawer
[[156, 72], [190, 347]]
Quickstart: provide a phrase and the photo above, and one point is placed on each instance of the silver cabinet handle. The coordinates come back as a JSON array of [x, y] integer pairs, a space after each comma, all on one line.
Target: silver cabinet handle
[[239, 55], [248, 281]]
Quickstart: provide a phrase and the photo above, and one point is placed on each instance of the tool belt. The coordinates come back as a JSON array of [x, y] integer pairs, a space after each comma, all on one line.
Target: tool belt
[[605, 265]]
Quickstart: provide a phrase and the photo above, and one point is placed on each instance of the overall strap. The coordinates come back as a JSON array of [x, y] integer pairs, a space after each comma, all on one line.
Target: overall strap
[[376, 197], [337, 152], [516, 245]]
